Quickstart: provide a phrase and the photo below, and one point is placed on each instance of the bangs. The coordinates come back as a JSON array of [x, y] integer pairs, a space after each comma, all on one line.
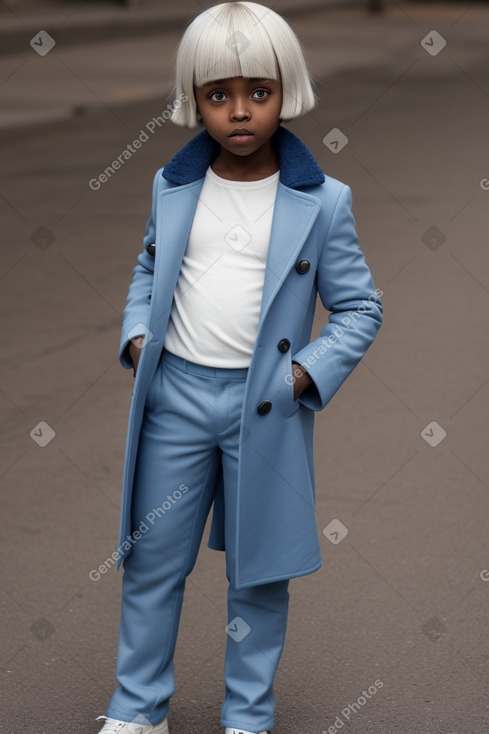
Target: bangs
[[233, 45]]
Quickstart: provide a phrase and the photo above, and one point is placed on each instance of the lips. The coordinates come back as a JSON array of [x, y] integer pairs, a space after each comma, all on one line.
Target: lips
[[240, 132]]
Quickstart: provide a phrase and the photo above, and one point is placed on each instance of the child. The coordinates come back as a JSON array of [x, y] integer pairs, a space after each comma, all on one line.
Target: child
[[245, 230]]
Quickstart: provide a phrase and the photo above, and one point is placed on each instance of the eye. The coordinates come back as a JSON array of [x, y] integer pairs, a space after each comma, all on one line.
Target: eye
[[263, 93], [219, 91]]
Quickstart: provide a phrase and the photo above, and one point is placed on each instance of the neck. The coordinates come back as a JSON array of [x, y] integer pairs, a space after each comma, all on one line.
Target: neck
[[260, 164]]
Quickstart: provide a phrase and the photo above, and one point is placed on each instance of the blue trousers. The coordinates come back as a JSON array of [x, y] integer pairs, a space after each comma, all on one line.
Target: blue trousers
[[190, 428]]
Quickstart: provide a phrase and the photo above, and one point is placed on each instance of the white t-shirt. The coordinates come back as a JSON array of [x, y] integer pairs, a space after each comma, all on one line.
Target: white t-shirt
[[216, 306]]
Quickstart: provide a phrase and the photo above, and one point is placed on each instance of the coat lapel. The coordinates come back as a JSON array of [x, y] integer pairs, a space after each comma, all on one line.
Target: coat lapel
[[175, 213], [293, 217]]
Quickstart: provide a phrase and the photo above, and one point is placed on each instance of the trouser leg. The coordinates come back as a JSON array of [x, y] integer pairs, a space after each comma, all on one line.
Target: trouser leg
[[174, 486], [257, 615], [257, 622]]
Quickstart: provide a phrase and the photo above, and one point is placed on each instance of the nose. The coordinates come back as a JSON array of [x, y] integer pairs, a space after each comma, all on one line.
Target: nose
[[240, 109]]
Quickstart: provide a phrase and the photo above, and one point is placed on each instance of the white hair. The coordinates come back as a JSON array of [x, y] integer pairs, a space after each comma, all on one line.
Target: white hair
[[240, 39]]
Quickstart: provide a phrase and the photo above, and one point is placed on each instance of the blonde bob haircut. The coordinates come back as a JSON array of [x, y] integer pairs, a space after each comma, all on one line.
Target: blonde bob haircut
[[240, 39]]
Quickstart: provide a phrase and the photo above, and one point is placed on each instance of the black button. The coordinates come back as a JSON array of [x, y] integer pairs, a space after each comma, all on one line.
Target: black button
[[302, 266], [283, 345], [151, 249], [264, 407]]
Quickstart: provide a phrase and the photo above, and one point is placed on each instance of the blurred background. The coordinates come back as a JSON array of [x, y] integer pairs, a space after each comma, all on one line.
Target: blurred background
[[401, 450]]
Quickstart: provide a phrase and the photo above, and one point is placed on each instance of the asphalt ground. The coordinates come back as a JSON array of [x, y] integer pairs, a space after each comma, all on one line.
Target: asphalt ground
[[399, 608]]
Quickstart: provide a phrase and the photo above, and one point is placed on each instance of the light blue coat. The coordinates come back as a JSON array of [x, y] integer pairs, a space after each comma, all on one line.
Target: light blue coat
[[277, 536]]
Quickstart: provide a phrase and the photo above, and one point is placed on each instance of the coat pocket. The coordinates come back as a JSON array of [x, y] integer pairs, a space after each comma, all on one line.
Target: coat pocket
[[292, 405]]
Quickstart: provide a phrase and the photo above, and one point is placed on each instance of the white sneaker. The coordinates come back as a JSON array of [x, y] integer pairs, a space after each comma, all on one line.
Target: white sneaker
[[114, 726], [233, 730]]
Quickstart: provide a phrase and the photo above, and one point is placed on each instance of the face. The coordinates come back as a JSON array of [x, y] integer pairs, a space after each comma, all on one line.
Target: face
[[240, 103]]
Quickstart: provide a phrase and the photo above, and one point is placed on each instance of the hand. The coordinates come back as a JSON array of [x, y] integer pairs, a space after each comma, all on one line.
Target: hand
[[135, 351], [301, 379]]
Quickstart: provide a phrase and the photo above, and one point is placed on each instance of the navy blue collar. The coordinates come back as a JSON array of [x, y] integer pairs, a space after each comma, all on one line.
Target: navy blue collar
[[298, 167]]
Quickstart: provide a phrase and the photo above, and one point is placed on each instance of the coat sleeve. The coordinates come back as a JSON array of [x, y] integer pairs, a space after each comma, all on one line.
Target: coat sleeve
[[136, 312], [346, 288]]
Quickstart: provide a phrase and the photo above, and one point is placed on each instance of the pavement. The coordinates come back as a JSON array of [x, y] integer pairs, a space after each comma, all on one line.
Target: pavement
[[390, 636]]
